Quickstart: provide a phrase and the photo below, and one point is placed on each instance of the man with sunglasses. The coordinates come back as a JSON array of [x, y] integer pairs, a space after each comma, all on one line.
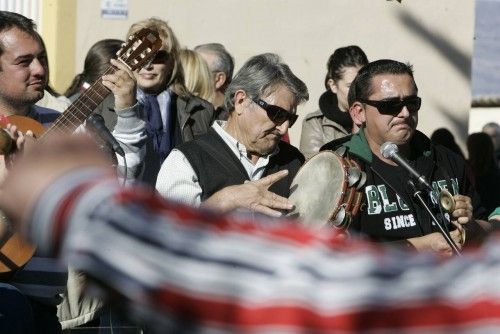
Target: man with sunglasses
[[243, 163], [383, 98]]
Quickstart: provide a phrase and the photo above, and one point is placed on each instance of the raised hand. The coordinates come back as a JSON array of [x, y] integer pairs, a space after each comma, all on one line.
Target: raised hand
[[122, 84]]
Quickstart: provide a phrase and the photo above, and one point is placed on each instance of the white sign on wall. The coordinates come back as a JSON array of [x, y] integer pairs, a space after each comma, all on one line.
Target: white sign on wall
[[114, 9]]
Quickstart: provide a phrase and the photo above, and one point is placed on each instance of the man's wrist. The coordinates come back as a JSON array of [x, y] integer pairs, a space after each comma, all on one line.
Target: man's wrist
[[475, 231]]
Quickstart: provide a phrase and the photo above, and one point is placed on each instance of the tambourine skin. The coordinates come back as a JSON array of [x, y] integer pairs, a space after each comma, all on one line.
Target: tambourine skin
[[321, 193]]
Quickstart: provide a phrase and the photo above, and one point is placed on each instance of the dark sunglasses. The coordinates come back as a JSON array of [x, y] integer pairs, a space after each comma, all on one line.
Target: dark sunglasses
[[394, 106], [276, 114], [161, 57]]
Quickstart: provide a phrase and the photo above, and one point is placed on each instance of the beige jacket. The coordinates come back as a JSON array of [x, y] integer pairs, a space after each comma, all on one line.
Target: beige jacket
[[77, 308], [318, 130]]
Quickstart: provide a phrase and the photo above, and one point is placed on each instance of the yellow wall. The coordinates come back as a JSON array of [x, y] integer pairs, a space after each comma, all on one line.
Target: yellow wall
[[59, 33]]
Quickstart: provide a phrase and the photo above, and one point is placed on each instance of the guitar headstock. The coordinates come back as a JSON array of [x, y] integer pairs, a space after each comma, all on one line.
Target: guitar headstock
[[139, 49]]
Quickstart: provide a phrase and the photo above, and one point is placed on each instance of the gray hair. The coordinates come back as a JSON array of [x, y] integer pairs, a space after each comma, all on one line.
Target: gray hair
[[260, 75], [224, 61]]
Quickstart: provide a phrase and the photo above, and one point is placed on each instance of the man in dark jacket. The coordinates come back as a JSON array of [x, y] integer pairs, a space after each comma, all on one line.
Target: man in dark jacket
[[237, 161], [383, 98]]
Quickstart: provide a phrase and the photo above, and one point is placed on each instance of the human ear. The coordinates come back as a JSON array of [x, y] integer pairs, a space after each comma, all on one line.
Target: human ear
[[358, 113], [333, 86], [220, 79], [240, 97]]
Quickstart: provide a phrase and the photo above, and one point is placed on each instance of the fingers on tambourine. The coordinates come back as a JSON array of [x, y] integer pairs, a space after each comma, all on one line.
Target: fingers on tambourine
[[273, 178]]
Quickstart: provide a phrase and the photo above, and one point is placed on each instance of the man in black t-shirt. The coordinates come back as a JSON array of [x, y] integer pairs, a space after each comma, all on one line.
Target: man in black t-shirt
[[383, 98]]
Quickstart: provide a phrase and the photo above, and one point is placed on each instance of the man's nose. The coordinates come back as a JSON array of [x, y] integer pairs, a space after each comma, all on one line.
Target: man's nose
[[283, 127], [404, 112], [38, 67]]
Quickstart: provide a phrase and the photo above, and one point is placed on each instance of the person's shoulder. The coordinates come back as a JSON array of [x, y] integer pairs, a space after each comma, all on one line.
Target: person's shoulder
[[442, 152], [336, 143], [44, 115], [202, 140], [195, 108], [313, 115], [197, 104], [45, 110]]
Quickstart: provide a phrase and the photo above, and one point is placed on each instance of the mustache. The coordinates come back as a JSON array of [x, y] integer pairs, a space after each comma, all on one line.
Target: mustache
[[407, 121], [274, 131]]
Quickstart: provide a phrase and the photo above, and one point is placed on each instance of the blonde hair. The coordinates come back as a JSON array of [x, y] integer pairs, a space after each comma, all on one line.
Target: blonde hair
[[197, 75], [170, 44]]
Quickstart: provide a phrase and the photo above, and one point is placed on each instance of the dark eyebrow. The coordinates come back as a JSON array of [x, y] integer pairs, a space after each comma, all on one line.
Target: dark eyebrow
[[24, 57], [41, 54]]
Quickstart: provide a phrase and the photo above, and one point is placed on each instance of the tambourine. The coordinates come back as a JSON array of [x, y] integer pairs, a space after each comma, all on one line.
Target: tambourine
[[326, 190]]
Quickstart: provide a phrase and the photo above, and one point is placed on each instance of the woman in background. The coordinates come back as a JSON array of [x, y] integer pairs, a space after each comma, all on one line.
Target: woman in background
[[332, 120]]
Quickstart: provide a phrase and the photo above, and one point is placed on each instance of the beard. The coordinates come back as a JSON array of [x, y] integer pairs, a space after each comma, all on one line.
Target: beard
[[20, 104]]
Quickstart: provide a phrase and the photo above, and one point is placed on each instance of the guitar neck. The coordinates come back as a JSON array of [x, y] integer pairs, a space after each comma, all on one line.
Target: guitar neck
[[76, 114]]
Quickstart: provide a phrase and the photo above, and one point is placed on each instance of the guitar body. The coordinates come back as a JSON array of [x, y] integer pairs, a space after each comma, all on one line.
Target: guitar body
[[24, 124], [15, 251]]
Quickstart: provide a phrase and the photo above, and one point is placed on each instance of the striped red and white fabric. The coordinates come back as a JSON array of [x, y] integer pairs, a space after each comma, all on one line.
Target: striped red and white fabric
[[183, 269]]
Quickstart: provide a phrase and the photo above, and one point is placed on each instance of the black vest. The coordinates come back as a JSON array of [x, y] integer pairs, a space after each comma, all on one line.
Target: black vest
[[217, 167]]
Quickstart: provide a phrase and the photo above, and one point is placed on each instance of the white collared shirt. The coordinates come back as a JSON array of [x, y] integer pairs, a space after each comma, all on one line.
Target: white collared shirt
[[177, 179]]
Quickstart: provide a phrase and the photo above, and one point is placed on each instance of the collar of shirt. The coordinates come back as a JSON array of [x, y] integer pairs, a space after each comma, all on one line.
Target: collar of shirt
[[240, 151]]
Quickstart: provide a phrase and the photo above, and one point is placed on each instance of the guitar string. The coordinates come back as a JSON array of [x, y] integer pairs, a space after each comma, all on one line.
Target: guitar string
[[74, 115], [83, 101]]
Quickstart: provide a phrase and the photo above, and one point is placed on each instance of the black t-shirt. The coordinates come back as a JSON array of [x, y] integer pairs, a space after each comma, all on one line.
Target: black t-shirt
[[390, 211]]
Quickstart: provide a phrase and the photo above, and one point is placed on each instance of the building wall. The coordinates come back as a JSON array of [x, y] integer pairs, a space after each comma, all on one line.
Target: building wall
[[478, 117], [435, 36]]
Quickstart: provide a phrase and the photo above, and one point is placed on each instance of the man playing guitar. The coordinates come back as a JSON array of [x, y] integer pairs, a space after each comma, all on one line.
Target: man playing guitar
[[23, 71]]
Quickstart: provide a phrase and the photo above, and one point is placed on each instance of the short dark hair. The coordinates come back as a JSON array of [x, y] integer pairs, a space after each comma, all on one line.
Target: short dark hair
[[348, 56], [260, 75], [9, 20], [361, 87]]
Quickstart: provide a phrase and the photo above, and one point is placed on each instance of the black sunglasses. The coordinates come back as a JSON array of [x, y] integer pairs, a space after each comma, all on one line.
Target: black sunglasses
[[276, 114], [161, 57], [394, 106]]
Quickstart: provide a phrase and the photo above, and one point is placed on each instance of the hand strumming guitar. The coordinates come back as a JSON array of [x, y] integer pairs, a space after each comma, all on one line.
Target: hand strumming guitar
[[20, 140]]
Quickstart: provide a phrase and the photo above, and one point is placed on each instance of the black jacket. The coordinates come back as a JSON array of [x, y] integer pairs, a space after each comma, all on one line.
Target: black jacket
[[217, 167]]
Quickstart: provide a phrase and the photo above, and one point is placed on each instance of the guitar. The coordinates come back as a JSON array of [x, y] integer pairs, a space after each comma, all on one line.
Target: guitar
[[137, 52]]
